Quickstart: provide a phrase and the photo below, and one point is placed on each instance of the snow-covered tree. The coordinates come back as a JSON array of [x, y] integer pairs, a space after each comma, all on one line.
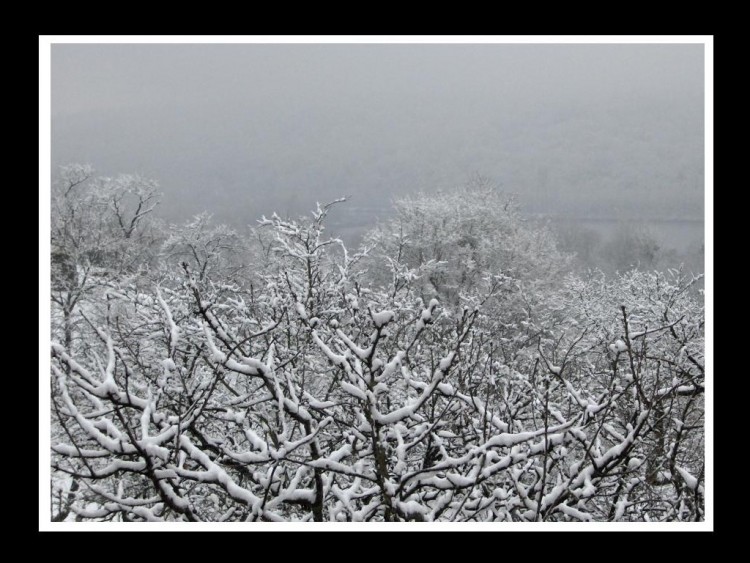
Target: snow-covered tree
[[334, 387], [456, 238], [210, 251], [100, 230]]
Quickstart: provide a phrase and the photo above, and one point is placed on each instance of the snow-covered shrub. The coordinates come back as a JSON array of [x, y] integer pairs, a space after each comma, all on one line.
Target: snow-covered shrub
[[323, 391]]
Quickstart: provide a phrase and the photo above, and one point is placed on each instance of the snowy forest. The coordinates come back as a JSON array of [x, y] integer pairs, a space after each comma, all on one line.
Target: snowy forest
[[455, 366]]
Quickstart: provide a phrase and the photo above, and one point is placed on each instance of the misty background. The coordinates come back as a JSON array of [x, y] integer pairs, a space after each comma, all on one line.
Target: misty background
[[591, 137]]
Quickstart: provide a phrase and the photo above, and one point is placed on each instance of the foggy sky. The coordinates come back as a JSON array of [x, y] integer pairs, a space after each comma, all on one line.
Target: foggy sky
[[243, 130]]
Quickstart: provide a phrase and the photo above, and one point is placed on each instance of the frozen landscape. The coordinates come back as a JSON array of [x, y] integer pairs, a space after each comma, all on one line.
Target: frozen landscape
[[525, 343]]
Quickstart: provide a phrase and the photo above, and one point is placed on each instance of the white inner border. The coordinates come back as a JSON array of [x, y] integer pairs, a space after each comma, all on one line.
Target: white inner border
[[45, 125]]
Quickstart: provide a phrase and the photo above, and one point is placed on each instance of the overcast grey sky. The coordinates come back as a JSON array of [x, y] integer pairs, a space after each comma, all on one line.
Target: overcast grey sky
[[245, 129]]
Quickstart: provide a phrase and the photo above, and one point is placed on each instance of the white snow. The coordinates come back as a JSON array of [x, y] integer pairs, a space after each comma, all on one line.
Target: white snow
[[634, 463], [382, 318], [300, 308], [353, 391], [690, 481], [574, 512], [446, 388], [446, 362]]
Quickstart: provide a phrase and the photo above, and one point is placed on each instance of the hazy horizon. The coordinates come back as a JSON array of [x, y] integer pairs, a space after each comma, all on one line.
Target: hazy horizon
[[241, 130]]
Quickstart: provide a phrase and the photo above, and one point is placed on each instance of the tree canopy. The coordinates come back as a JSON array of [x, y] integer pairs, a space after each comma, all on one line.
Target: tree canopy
[[450, 369]]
